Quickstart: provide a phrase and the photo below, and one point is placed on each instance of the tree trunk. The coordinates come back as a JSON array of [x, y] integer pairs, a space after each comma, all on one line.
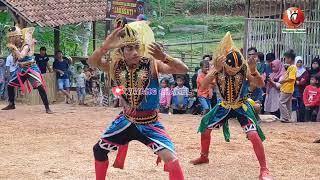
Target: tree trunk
[[87, 28]]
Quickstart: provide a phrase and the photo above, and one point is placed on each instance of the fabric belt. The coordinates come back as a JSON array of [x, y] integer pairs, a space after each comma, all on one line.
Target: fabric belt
[[141, 117]]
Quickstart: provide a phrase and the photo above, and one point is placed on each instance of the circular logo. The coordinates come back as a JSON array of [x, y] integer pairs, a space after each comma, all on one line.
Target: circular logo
[[118, 90], [293, 17]]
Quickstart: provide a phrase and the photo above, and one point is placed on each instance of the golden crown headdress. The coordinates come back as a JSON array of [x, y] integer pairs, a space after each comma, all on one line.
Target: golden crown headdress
[[130, 37], [225, 47], [120, 21], [14, 31]]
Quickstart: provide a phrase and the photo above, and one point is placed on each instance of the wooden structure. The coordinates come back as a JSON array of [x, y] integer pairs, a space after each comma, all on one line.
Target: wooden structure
[[53, 14], [264, 26], [33, 98]]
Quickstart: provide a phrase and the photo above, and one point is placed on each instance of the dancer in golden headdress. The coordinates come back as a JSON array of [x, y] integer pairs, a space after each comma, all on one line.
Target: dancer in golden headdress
[[21, 44], [233, 75], [137, 77]]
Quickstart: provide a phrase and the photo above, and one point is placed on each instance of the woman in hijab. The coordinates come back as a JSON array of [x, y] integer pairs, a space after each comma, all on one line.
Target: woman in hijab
[[271, 103], [315, 66], [301, 83]]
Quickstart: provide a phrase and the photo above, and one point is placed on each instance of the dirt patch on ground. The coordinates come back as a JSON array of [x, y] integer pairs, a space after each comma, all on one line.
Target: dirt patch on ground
[[34, 145]]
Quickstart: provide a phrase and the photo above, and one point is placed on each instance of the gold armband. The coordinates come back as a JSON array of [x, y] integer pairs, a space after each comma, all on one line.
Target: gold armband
[[168, 59]]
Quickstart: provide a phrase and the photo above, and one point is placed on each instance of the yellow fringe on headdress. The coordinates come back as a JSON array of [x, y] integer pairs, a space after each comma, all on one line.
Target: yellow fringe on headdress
[[145, 35], [17, 32], [27, 34], [138, 32], [225, 46]]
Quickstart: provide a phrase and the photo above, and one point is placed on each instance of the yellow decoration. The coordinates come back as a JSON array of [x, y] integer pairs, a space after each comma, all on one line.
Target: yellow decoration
[[235, 105], [251, 101], [244, 107], [130, 37], [225, 46], [145, 35], [27, 34], [138, 32], [14, 31]]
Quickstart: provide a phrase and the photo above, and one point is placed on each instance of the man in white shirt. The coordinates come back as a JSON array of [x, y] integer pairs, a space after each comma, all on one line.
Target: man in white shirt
[[11, 66]]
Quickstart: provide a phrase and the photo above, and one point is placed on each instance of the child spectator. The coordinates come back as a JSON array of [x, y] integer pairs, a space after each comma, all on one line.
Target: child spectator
[[81, 85], [88, 81], [311, 97], [204, 94], [287, 87], [95, 92], [180, 97], [165, 96]]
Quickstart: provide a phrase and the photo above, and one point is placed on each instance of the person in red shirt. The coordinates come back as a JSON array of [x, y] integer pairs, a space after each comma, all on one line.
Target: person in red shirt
[[311, 99], [204, 94]]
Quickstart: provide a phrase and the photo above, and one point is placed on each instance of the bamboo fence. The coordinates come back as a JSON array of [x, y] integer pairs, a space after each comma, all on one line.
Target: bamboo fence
[[264, 28]]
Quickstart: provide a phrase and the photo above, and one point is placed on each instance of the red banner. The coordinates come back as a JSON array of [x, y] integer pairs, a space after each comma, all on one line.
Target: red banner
[[128, 8]]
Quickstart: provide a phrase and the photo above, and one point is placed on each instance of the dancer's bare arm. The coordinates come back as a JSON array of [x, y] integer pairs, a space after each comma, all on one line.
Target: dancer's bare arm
[[111, 42], [210, 79], [254, 77], [167, 64], [19, 54]]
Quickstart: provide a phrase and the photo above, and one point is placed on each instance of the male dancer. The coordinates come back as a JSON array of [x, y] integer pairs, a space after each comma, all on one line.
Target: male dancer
[[22, 48], [233, 76], [138, 76]]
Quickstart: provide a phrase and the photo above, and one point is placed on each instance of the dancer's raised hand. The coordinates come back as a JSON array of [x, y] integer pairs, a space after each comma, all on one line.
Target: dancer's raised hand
[[113, 40], [157, 52], [219, 63], [252, 63]]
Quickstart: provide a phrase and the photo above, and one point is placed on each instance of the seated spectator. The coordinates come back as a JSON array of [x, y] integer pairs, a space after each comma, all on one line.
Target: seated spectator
[[180, 97], [42, 60], [194, 106], [311, 99], [165, 96], [185, 78], [204, 94], [169, 77]]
